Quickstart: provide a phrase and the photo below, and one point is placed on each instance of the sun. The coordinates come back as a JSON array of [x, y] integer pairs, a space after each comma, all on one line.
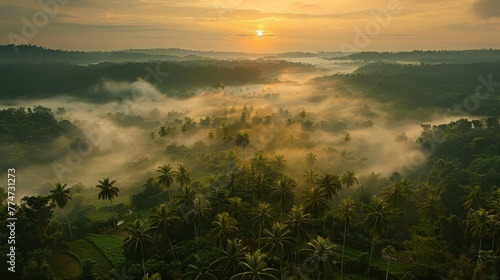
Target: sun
[[260, 33]]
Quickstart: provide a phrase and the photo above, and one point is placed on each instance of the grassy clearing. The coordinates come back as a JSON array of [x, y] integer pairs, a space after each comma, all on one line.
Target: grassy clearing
[[110, 247], [86, 250], [395, 267], [64, 266]]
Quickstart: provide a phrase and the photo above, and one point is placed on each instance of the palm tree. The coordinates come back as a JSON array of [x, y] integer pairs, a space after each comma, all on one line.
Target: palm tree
[[263, 214], [259, 160], [310, 177], [280, 163], [321, 253], [199, 271], [236, 208], [60, 195], [345, 212], [431, 208], [182, 176], [232, 255], [315, 202], [166, 177], [232, 180], [225, 228], [330, 183], [278, 239], [260, 185], [347, 137], [482, 221], [397, 195], [162, 222], [297, 222], [388, 253], [199, 211], [311, 159], [108, 191], [255, 267], [137, 244], [474, 199], [376, 221], [283, 192], [186, 200], [163, 131], [349, 178]]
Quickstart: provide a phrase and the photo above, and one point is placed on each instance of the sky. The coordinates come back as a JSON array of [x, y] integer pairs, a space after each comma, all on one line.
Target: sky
[[257, 26]]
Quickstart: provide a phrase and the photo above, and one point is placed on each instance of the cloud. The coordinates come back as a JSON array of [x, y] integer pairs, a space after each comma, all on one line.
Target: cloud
[[486, 9], [465, 26]]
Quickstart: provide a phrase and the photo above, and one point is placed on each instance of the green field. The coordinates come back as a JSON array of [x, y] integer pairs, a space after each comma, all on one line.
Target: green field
[[395, 267], [64, 265], [86, 250], [109, 246]]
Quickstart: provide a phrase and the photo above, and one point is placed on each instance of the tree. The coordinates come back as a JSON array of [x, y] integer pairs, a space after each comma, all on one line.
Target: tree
[[321, 253], [199, 271], [349, 178], [108, 192], [277, 240], [283, 192], [60, 195], [255, 268], [163, 131], [310, 177], [137, 244], [280, 163], [388, 253], [263, 214], [242, 140], [182, 176], [236, 208], [297, 222], [311, 159], [346, 212], [186, 199], [330, 183], [166, 177], [397, 195], [225, 228], [260, 185], [232, 180], [315, 202], [162, 222], [431, 208], [474, 199], [376, 222], [347, 137], [199, 211], [482, 221], [232, 255]]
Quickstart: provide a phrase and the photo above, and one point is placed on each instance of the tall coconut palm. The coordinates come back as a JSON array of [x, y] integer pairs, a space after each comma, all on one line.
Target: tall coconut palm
[[310, 177], [186, 199], [199, 211], [280, 163], [321, 254], [108, 192], [262, 216], [225, 228], [60, 195], [349, 178], [346, 212], [330, 183], [431, 208], [474, 199], [311, 159], [138, 243], [278, 240], [236, 208], [260, 185], [255, 268], [182, 176], [283, 192], [376, 222], [388, 253], [297, 222], [232, 181], [162, 222], [232, 255], [166, 177], [315, 202], [199, 271], [397, 195], [482, 221]]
